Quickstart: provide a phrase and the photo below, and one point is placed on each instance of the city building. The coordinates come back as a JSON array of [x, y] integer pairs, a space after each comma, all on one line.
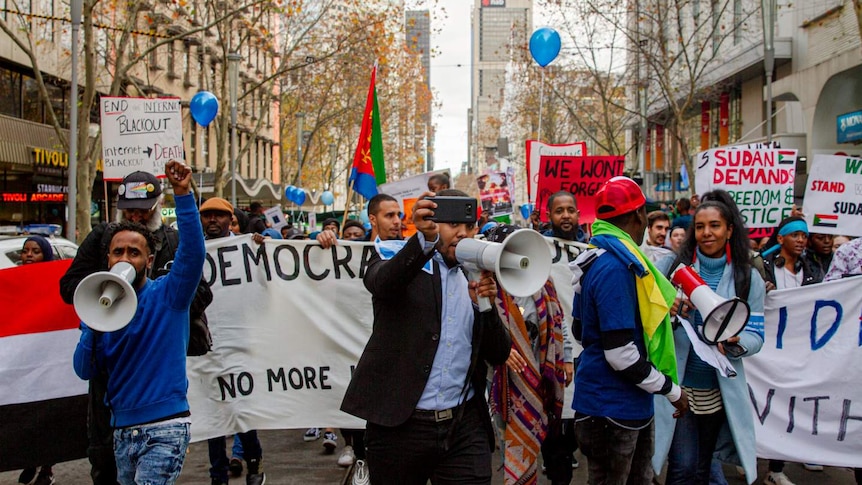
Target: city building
[[179, 50], [815, 83], [418, 32], [497, 26]]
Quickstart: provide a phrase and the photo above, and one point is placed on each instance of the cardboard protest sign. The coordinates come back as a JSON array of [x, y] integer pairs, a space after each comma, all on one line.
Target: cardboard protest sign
[[537, 149], [275, 217], [140, 134], [582, 176], [760, 181], [406, 191], [408, 187], [833, 197], [495, 194]]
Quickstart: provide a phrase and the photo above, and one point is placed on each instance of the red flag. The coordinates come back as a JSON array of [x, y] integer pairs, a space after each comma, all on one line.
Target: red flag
[[368, 168]]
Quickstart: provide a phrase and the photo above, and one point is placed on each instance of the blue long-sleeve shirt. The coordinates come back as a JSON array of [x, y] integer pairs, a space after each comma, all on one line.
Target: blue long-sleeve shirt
[[146, 360]]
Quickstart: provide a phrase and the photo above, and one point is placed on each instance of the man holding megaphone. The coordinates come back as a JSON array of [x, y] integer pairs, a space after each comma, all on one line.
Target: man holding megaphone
[[420, 382], [145, 360]]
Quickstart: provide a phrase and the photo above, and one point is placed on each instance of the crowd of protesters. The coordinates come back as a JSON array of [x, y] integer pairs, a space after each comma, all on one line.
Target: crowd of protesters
[[634, 414]]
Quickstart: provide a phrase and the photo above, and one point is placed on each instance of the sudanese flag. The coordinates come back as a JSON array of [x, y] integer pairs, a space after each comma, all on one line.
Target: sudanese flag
[[43, 403]]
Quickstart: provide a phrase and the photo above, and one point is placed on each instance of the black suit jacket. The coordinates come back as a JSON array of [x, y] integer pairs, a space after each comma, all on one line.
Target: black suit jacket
[[395, 365]]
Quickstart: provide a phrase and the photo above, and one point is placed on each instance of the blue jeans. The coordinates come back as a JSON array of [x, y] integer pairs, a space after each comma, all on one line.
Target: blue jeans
[[716, 474], [151, 454], [616, 455], [689, 460], [236, 450]]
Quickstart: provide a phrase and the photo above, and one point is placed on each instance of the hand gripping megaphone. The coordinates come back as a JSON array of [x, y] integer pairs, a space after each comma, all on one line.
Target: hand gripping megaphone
[[722, 318], [106, 301], [522, 262]]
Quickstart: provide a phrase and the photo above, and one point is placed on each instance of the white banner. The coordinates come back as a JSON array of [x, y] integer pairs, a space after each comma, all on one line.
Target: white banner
[[805, 383], [288, 321], [140, 134], [833, 197], [760, 181]]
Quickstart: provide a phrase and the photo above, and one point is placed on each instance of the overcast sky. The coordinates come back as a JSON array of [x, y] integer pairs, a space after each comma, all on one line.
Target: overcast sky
[[450, 80]]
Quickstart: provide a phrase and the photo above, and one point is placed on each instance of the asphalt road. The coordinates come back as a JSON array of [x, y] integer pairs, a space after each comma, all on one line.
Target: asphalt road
[[288, 460]]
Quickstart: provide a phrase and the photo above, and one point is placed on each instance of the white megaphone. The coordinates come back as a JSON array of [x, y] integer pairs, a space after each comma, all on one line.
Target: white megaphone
[[722, 318], [522, 262], [106, 301]]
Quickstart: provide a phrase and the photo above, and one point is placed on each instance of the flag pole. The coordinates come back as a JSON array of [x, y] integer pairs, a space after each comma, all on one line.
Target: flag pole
[[347, 204]]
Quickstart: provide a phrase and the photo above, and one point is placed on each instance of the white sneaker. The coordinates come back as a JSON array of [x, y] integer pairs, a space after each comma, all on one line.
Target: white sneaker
[[360, 473], [777, 478], [813, 467], [347, 456]]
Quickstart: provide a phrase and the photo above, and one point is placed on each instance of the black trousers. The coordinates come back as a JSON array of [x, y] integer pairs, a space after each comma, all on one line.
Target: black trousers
[[103, 467], [557, 452], [422, 449]]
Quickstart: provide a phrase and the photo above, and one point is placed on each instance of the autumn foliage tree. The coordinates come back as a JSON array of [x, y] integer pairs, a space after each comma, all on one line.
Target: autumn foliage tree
[[331, 94]]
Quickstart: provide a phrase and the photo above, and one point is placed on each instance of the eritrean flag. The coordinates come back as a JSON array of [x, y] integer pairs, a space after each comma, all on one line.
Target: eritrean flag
[[825, 220], [368, 168], [43, 404]]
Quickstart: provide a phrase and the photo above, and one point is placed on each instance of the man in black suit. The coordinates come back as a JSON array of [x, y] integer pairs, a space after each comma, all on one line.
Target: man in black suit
[[420, 382]]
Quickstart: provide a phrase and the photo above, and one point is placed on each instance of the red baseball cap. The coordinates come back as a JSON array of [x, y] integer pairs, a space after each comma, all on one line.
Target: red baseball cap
[[618, 196]]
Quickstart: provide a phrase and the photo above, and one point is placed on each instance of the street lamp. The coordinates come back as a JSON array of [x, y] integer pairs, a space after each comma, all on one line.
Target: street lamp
[[72, 181], [300, 125], [233, 66], [768, 16]]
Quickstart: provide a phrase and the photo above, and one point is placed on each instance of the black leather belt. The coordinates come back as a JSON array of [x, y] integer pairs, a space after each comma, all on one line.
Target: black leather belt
[[436, 416]]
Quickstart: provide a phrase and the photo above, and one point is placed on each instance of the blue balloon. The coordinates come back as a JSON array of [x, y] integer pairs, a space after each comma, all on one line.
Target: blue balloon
[[545, 45], [204, 107], [288, 192], [300, 196], [525, 211], [327, 198]]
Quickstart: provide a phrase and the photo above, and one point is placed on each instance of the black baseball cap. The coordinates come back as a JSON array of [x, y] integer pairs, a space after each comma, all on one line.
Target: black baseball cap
[[139, 190]]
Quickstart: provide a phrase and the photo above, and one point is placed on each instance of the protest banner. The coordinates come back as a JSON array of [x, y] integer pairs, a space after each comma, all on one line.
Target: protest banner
[[140, 134], [495, 194], [833, 197], [805, 392], [537, 149], [290, 320], [43, 404], [582, 176], [760, 181]]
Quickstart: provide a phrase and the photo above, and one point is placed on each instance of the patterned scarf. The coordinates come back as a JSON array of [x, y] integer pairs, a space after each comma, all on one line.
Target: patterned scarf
[[529, 403]]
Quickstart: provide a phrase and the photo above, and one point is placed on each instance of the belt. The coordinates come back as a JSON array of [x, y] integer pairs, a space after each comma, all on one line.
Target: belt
[[436, 416]]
